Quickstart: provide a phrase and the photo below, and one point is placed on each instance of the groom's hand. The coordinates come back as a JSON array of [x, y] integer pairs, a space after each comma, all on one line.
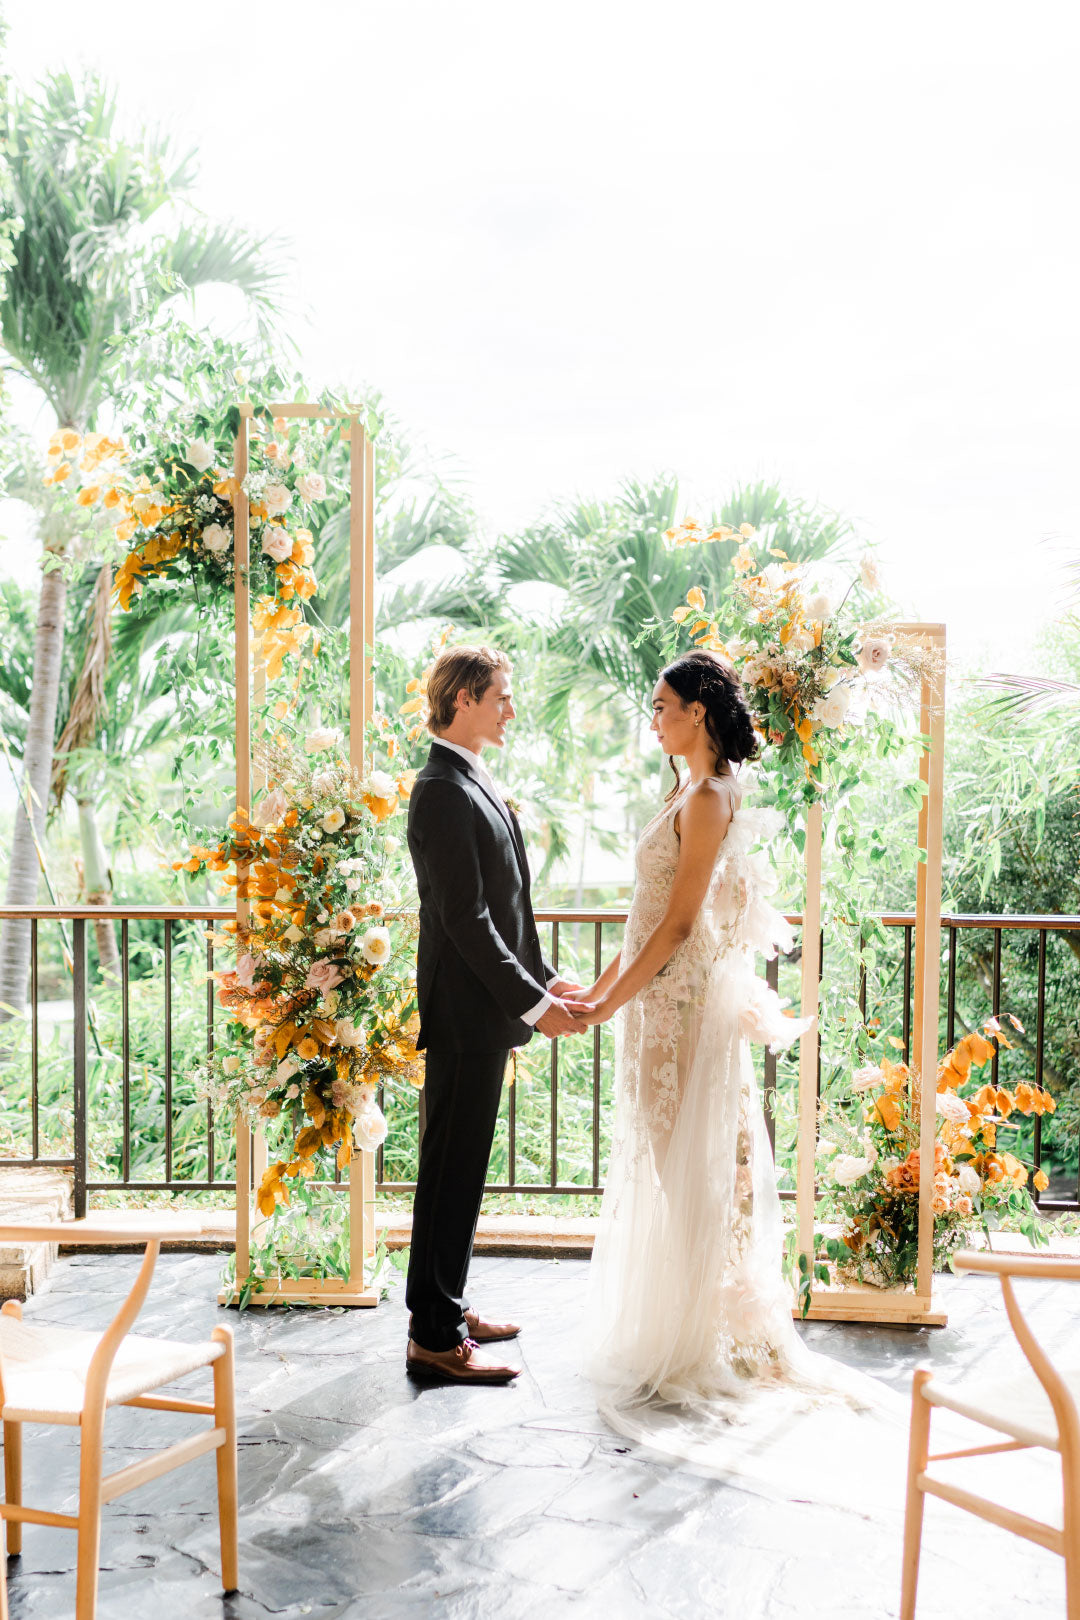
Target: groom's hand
[[566, 989], [559, 1020]]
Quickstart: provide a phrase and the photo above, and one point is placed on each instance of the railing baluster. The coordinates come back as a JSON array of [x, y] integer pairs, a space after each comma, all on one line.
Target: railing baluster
[[1040, 1031], [511, 1166], [125, 1051], [35, 1139], [996, 1001], [168, 1052], [907, 991], [78, 951], [211, 1145], [772, 979], [597, 966], [950, 1015], [555, 1072]]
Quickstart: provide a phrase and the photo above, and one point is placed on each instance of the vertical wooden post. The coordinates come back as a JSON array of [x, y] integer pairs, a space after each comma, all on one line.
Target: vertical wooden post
[[928, 947], [361, 708], [808, 1044], [242, 646]]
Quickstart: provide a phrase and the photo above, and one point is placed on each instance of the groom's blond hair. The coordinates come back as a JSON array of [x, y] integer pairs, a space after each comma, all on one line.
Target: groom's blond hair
[[473, 668]]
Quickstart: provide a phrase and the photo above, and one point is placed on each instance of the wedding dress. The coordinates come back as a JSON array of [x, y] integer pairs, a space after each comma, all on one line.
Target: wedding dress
[[689, 1331]]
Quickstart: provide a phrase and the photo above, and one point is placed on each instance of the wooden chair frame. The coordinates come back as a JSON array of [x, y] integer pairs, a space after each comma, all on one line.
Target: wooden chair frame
[[921, 1484], [96, 1488]]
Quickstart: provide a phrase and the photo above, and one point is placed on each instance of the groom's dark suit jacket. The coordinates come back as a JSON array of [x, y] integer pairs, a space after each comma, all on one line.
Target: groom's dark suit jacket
[[479, 962]]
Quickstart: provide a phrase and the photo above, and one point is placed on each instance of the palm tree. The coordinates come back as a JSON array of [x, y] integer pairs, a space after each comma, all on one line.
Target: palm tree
[[86, 269]]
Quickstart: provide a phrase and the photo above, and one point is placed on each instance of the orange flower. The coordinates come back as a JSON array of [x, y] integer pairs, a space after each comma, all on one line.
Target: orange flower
[[1040, 1180], [308, 1049], [887, 1110]]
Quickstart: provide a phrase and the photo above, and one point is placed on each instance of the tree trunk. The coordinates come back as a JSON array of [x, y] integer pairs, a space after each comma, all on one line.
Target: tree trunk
[[97, 882], [22, 885]]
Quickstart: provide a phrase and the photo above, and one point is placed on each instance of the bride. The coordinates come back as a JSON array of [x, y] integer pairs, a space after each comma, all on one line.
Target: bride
[[689, 1331]]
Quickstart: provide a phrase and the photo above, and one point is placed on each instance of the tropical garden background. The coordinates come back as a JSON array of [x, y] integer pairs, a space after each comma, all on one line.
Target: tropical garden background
[[116, 704]]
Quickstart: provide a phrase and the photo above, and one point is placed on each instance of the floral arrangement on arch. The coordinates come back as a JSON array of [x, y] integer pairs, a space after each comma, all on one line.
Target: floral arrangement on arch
[[868, 1160], [808, 669], [322, 997], [173, 509]]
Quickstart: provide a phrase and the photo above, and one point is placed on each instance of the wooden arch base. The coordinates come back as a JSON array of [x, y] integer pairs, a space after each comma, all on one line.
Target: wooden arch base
[[251, 1147], [860, 1303]]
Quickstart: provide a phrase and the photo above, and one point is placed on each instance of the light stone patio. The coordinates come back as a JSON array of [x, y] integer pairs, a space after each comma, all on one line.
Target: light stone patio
[[365, 1496]]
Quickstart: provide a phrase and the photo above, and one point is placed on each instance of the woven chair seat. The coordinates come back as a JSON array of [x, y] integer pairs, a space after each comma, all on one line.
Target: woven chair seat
[[1018, 1406], [45, 1369]]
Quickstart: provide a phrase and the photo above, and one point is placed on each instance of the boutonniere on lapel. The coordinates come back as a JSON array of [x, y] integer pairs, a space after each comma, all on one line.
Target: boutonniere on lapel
[[512, 804]]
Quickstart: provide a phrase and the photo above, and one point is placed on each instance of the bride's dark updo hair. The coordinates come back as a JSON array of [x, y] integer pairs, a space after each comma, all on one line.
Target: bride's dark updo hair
[[702, 677]]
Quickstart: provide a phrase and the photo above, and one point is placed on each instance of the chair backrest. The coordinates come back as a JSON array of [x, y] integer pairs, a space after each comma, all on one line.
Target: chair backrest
[[1049, 1268], [98, 1372]]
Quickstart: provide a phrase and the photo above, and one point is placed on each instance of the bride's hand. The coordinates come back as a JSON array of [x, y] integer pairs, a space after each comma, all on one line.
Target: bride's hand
[[591, 1012]]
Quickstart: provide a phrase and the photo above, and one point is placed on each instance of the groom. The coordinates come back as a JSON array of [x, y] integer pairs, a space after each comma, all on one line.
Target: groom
[[483, 986]]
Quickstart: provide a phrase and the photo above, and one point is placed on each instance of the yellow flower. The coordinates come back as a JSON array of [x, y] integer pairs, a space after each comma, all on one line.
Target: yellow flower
[[125, 530], [680, 614], [1041, 1180], [308, 1049], [89, 495], [63, 471], [69, 439], [695, 596], [747, 531]]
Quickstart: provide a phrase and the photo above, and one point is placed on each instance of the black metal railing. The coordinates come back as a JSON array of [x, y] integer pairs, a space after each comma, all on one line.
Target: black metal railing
[[80, 1103]]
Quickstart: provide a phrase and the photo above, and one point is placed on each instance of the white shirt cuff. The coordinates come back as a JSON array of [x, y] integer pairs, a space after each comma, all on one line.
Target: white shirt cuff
[[534, 1014]]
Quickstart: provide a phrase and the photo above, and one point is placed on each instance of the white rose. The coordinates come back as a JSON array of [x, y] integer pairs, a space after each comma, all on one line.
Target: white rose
[[348, 1033], [321, 783], [953, 1108], [832, 710], [874, 654], [354, 884], [777, 577], [321, 740], [333, 820], [847, 1170], [199, 455], [277, 499], [215, 538], [376, 945], [382, 785], [869, 573], [293, 934], [390, 844], [277, 544], [370, 1128], [323, 937], [311, 487], [867, 1077], [271, 808], [829, 676], [800, 640], [230, 1065], [818, 607], [970, 1180]]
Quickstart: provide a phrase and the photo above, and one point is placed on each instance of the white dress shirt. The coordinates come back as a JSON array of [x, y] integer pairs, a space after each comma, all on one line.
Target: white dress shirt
[[485, 778]]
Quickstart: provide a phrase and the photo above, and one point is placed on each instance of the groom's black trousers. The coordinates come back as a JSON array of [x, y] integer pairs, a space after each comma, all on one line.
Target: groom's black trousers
[[461, 1094]]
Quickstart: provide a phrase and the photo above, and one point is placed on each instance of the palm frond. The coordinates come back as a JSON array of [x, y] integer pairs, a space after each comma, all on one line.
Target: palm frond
[[1022, 695]]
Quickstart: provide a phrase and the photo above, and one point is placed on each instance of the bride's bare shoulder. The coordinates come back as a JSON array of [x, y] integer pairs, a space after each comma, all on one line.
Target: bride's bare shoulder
[[709, 804]]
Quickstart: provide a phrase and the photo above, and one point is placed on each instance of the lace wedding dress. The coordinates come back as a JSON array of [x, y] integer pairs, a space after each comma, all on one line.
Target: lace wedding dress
[[689, 1331]]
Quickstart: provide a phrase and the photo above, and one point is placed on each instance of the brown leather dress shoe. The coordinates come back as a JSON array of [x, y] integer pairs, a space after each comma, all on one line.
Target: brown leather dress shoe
[[489, 1332], [461, 1365], [486, 1332]]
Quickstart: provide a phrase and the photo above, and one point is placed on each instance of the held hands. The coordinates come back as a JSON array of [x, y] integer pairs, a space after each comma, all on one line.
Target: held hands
[[591, 1012], [563, 1018]]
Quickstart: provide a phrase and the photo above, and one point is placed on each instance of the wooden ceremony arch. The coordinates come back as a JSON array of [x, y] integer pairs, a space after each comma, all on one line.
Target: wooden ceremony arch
[[860, 1303], [251, 1148]]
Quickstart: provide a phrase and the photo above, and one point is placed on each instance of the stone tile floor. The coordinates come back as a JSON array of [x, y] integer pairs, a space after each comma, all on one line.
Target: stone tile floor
[[364, 1496]]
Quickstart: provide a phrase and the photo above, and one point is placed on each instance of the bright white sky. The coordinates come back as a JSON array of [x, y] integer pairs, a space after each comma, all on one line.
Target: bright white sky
[[833, 243]]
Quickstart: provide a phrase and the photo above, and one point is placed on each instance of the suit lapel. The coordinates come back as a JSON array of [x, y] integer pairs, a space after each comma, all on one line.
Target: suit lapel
[[509, 819]]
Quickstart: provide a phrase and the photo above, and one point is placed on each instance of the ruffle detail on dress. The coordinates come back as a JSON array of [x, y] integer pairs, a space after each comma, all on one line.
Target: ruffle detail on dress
[[762, 1017]]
